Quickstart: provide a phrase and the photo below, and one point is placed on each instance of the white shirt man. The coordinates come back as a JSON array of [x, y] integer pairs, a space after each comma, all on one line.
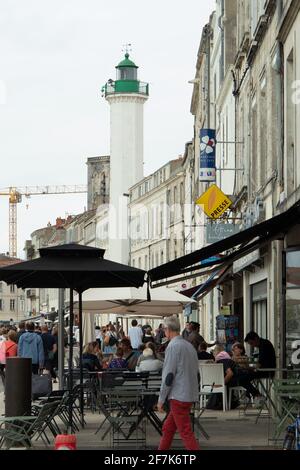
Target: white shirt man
[[135, 335]]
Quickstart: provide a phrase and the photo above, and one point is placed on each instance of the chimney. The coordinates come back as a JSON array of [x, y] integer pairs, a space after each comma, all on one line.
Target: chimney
[[59, 222]]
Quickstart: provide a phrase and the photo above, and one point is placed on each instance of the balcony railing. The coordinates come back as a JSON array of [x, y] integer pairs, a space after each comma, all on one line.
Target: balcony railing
[[126, 86]]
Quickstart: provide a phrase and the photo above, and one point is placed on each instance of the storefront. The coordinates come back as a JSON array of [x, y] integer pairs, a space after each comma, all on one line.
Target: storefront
[[292, 305]]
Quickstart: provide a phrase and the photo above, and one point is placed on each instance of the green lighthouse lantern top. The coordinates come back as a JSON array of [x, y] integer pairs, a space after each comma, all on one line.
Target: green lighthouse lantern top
[[126, 80]]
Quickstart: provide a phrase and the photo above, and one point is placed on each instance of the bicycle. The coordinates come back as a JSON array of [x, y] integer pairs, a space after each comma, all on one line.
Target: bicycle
[[292, 437]]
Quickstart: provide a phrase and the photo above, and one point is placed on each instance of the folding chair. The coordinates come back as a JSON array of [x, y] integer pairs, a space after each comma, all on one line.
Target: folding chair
[[287, 392], [22, 429]]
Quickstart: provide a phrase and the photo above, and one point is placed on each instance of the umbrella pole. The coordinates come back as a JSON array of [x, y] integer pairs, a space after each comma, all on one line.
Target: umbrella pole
[[61, 342], [71, 363], [80, 360]]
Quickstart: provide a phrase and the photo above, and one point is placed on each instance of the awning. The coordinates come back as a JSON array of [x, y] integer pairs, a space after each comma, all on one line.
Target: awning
[[248, 240]]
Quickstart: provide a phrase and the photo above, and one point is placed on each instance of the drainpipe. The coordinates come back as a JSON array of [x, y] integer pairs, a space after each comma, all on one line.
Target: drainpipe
[[278, 67], [222, 58]]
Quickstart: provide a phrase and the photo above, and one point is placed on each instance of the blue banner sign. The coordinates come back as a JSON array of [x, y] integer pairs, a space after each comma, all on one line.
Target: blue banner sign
[[207, 171]]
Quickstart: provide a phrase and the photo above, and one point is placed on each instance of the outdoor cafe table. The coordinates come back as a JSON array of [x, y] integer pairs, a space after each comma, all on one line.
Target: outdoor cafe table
[[265, 380], [143, 391]]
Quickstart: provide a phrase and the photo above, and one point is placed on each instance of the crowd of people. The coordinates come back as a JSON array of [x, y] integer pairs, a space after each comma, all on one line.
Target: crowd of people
[[30, 341], [141, 350], [176, 355]]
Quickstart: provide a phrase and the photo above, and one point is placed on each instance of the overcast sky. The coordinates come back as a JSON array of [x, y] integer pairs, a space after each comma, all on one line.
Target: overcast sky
[[54, 58]]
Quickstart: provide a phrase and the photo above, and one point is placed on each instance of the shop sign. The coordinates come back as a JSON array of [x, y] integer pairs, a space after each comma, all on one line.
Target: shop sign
[[207, 170], [225, 310], [246, 261], [217, 232], [214, 202]]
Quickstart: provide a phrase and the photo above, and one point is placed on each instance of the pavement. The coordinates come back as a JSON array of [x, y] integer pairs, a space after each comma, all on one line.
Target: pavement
[[232, 430]]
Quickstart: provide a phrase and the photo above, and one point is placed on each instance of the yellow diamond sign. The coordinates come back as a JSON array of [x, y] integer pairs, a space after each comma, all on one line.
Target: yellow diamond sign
[[214, 202]]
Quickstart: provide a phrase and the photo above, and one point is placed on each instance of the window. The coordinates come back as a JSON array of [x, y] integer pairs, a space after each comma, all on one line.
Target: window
[[292, 306], [254, 146], [133, 262], [1, 304], [290, 125], [263, 157], [12, 288], [127, 73], [161, 257], [146, 263], [1, 286], [257, 9], [260, 309], [140, 263], [12, 305], [161, 222]]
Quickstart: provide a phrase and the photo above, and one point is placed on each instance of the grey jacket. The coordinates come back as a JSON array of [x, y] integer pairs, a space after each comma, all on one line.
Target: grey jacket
[[180, 372]]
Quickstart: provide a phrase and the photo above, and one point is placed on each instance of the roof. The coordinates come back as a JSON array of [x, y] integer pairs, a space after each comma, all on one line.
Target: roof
[[83, 217], [126, 63], [7, 260]]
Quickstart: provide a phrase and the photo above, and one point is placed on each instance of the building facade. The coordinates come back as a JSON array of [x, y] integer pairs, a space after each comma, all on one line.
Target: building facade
[[156, 213], [252, 102], [12, 299]]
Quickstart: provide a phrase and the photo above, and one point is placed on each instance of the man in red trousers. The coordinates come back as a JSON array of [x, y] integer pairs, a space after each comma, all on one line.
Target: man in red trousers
[[179, 386]]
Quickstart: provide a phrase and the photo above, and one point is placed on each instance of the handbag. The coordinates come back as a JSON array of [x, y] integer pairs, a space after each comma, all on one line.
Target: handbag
[[41, 385]]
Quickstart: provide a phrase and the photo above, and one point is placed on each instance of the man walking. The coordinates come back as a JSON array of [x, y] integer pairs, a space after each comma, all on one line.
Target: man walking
[[180, 387], [31, 346], [135, 334]]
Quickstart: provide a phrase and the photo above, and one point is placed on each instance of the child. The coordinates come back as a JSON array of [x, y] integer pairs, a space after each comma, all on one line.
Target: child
[[118, 362]]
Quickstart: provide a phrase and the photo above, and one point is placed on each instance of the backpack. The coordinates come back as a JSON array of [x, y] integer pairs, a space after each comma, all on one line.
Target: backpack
[[3, 352], [112, 340]]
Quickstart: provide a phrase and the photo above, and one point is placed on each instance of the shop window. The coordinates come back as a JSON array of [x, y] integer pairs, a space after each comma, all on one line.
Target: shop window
[[292, 304], [260, 309]]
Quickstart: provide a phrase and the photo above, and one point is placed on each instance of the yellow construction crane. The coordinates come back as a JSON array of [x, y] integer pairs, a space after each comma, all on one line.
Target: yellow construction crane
[[15, 197]]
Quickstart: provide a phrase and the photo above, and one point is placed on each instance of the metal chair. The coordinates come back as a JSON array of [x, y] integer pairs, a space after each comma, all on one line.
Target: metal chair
[[22, 429]]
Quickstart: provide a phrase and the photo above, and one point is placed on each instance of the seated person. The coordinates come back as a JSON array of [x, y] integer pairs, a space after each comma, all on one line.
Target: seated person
[[203, 355], [129, 354], [118, 362], [149, 362], [266, 357], [148, 337], [233, 376], [239, 355], [90, 360]]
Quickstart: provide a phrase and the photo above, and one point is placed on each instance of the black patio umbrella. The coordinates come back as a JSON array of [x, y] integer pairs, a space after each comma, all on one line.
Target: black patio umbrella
[[78, 268]]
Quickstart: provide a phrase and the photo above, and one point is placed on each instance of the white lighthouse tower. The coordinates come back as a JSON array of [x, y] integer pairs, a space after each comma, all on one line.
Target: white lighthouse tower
[[126, 97]]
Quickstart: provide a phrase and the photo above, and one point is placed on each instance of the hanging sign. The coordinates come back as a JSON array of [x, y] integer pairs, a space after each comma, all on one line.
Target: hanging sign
[[207, 170], [219, 231], [214, 202]]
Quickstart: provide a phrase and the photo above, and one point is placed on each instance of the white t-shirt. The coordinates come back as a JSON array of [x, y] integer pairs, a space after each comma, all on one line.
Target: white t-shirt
[[135, 335]]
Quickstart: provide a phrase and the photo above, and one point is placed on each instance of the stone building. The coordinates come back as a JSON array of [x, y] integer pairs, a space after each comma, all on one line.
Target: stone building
[[252, 101], [44, 300], [156, 214], [12, 299]]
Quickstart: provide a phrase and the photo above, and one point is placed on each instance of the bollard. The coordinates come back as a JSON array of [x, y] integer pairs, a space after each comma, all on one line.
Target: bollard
[[65, 442], [17, 386]]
